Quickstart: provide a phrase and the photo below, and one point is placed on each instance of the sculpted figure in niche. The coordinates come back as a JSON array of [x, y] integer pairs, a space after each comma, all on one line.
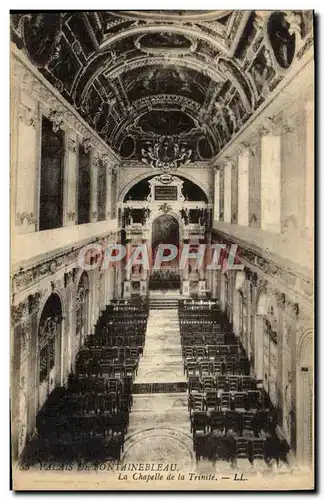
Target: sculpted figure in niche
[[262, 71], [282, 39]]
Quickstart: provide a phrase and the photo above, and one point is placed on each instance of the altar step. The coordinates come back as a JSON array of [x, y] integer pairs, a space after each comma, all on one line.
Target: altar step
[[159, 387], [163, 303]]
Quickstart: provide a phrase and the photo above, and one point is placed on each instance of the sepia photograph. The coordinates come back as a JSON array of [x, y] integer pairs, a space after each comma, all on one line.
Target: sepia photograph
[[162, 250]]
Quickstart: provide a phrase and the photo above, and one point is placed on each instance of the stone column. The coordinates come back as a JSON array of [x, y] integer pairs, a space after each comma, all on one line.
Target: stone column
[[69, 323], [221, 194], [185, 276], [94, 163], [108, 187], [70, 179], [255, 182], [128, 271], [234, 188], [243, 187], [28, 150], [309, 151], [271, 183], [216, 194], [228, 192]]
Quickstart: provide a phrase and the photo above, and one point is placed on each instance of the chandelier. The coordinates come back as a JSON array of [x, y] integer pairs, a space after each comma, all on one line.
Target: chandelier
[[166, 154]]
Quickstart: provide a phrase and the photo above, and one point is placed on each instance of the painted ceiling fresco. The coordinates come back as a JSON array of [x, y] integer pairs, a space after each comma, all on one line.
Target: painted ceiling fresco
[[136, 75]]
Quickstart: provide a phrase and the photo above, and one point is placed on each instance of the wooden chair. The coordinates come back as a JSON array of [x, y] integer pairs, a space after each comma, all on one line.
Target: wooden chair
[[217, 367], [257, 449], [208, 384], [211, 351], [205, 368], [233, 383], [225, 401], [198, 422], [242, 448], [239, 401], [195, 402], [191, 367], [188, 352], [221, 383], [248, 424], [200, 351], [254, 400], [215, 421], [194, 383]]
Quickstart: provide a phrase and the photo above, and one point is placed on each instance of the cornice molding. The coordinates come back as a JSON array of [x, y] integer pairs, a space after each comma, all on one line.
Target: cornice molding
[[28, 276], [299, 288]]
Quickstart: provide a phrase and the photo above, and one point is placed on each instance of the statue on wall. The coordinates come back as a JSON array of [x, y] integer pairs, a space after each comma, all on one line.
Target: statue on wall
[[282, 38], [185, 216], [146, 215], [127, 216]]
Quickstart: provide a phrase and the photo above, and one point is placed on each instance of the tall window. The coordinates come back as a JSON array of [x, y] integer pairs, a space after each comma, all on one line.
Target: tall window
[[84, 187], [51, 177], [101, 191]]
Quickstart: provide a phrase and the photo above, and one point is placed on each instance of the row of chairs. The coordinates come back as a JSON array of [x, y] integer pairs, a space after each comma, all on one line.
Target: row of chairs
[[86, 448], [109, 353], [230, 448], [210, 367], [221, 383], [85, 384], [225, 401], [114, 340], [210, 350], [108, 368], [248, 423], [90, 417], [96, 402], [83, 425], [207, 338]]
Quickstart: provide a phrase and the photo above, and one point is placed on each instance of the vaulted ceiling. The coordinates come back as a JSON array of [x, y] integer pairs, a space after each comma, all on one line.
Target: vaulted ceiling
[[135, 76]]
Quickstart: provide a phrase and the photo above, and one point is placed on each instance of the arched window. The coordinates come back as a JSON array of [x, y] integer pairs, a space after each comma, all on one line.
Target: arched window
[[49, 341]]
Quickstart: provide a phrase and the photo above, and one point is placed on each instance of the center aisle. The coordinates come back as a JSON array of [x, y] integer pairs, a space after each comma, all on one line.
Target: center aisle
[[159, 426]]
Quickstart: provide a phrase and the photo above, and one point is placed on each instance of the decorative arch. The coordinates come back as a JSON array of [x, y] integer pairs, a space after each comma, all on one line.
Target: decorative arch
[[305, 341], [49, 341], [147, 174], [59, 293]]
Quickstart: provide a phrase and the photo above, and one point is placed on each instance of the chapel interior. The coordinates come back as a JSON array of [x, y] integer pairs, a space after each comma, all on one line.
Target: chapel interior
[[162, 127]]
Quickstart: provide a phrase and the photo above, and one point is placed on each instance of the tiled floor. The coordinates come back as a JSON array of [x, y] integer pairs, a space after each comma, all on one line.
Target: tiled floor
[[159, 429], [162, 356]]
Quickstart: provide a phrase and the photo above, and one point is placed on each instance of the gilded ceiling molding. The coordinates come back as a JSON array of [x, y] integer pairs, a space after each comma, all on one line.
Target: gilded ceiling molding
[[190, 31], [206, 15], [190, 62]]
